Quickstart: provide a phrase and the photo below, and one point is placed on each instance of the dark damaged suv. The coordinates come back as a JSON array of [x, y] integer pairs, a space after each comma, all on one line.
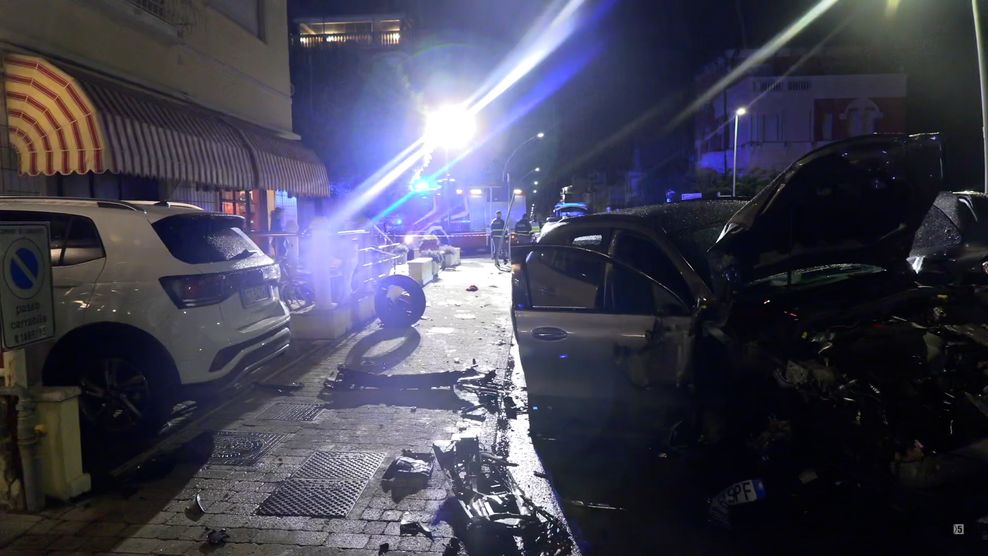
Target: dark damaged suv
[[790, 327]]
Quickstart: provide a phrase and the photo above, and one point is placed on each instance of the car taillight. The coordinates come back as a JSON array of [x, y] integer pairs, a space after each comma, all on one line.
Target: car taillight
[[272, 273], [198, 290]]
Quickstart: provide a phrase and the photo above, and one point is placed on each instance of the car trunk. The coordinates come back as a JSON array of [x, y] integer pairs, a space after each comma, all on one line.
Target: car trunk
[[216, 245]]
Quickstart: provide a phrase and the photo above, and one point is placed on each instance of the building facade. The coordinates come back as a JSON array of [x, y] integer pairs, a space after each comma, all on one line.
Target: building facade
[[179, 100], [794, 103]]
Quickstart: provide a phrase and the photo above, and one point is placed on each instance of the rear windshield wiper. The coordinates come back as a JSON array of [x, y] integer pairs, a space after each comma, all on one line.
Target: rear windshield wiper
[[245, 254]]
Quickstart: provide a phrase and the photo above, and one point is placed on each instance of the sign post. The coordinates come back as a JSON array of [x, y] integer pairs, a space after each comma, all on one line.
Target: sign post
[[25, 285]]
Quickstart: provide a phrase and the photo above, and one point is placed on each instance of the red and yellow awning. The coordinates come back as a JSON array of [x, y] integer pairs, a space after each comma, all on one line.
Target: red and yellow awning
[[69, 120], [53, 124]]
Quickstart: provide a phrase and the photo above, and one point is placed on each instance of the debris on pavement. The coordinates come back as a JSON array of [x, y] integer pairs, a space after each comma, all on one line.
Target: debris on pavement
[[492, 507], [195, 511], [350, 379], [280, 388], [410, 466], [472, 288], [452, 547], [383, 548], [216, 537], [411, 527], [592, 505]]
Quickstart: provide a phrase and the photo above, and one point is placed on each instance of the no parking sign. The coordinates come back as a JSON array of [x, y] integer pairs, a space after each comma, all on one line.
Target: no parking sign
[[25, 284]]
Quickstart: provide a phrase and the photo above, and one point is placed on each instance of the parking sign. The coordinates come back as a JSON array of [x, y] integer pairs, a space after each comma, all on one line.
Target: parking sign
[[25, 284]]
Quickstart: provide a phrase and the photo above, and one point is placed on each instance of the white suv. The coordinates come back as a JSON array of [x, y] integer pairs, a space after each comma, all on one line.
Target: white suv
[[149, 298]]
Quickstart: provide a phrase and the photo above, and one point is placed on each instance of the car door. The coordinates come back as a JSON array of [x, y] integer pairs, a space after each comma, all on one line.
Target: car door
[[77, 260], [602, 344]]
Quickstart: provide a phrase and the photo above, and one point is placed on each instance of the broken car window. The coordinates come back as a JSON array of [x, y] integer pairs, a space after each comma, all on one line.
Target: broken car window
[[563, 278]]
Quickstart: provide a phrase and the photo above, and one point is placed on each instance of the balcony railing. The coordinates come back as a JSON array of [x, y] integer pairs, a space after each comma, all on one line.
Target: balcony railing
[[175, 13], [333, 40]]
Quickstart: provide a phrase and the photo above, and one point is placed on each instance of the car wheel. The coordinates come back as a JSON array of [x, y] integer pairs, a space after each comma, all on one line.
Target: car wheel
[[123, 393], [399, 301]]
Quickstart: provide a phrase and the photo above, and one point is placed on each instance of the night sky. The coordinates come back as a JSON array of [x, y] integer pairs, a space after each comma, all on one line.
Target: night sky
[[634, 62]]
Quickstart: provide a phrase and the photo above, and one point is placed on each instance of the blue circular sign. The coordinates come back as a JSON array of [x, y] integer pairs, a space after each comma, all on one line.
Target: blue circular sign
[[24, 268]]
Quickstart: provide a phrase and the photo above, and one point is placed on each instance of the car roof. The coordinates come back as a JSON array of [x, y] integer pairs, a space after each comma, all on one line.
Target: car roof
[[154, 210], [682, 216]]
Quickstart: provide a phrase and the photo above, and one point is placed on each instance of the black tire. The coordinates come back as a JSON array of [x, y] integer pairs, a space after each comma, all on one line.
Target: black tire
[[140, 396], [399, 301]]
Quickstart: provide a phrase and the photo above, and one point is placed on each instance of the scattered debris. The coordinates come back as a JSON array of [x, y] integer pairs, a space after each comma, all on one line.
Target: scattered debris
[[593, 505], [409, 527], [349, 379], [383, 549], [541, 475], [492, 507], [280, 388], [452, 547], [456, 360], [216, 536], [743, 492], [410, 466], [510, 406], [472, 288], [195, 511]]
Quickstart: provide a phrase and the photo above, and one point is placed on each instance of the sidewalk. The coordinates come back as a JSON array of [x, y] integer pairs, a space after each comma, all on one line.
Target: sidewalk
[[355, 433]]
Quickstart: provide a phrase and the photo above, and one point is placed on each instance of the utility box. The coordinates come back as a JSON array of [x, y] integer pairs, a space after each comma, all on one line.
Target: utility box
[[61, 443]]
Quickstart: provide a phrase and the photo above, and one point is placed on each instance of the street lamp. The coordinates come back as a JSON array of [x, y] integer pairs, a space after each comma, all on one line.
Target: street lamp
[[983, 77], [734, 180], [504, 171], [536, 182]]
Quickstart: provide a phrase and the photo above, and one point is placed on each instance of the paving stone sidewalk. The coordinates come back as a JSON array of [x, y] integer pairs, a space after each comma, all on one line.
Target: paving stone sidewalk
[[147, 516]]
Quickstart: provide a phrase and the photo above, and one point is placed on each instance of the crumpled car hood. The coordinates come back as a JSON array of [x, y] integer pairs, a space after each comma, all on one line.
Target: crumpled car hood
[[858, 201]]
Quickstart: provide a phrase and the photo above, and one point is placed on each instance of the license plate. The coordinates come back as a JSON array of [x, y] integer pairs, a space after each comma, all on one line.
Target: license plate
[[741, 493], [255, 294]]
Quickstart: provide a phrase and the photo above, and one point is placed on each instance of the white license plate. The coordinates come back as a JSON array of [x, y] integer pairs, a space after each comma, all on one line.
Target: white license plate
[[741, 493], [255, 294]]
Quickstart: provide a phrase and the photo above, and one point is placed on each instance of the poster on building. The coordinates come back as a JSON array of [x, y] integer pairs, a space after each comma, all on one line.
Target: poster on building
[[25, 285]]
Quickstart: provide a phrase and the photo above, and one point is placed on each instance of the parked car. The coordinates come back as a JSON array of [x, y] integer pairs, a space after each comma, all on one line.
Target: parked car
[[150, 299], [952, 243], [790, 327]]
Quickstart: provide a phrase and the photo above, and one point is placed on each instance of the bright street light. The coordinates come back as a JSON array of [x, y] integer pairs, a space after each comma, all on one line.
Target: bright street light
[[517, 191], [540, 135], [535, 191], [734, 178], [536, 182], [537, 169], [450, 127]]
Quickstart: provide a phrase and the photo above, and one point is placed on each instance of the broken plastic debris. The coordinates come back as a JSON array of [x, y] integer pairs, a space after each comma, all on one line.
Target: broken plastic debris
[[280, 388], [195, 511], [472, 288], [453, 547], [216, 536], [384, 548], [593, 505], [409, 527], [410, 465]]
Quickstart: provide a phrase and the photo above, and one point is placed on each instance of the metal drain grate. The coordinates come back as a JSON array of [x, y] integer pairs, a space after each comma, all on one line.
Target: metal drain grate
[[241, 448], [313, 498], [340, 466], [291, 412], [327, 485]]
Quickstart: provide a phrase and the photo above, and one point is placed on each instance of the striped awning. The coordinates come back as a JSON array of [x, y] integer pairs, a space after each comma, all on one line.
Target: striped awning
[[71, 121]]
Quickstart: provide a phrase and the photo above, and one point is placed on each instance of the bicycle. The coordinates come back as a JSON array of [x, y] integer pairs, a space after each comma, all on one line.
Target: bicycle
[[296, 293]]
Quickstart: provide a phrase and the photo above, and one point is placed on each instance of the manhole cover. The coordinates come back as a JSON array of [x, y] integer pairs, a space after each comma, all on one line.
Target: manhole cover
[[327, 485], [291, 412], [241, 448], [313, 498], [340, 466]]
